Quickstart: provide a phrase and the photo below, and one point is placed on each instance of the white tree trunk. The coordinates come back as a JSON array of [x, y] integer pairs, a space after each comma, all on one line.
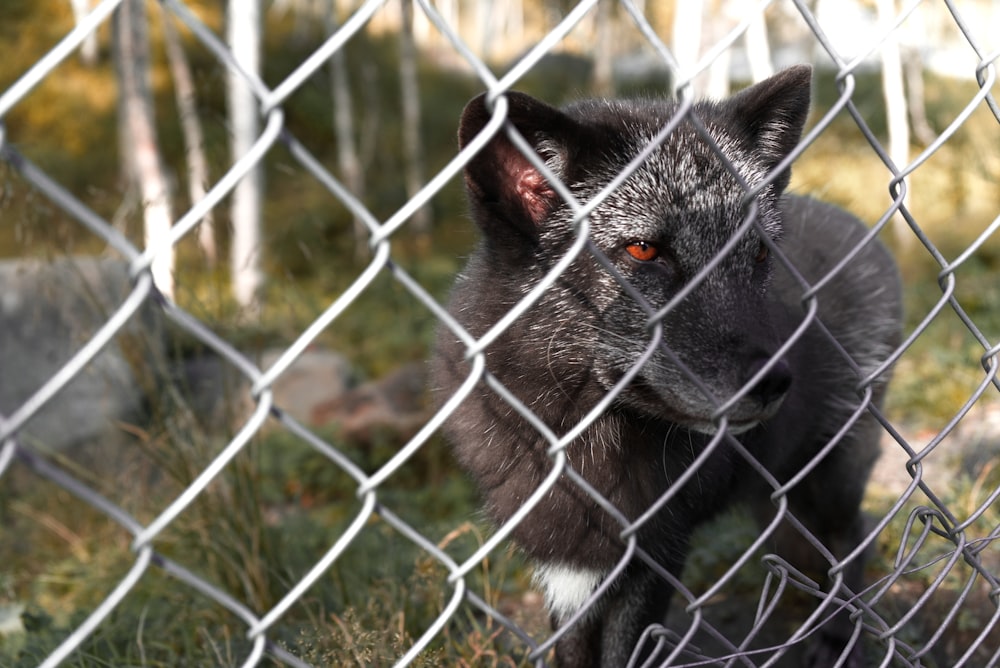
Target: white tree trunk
[[895, 105], [758, 49], [243, 36], [410, 96], [604, 84], [913, 69], [424, 32], [718, 85], [687, 38], [194, 140], [348, 160], [88, 48], [140, 148], [484, 19]]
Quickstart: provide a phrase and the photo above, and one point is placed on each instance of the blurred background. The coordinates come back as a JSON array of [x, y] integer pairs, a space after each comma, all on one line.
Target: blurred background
[[142, 119]]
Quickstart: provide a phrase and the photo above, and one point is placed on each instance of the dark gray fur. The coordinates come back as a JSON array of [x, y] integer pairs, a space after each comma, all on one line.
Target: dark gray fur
[[563, 355]]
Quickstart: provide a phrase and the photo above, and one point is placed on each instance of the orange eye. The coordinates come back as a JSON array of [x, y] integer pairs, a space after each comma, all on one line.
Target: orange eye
[[762, 254], [643, 251]]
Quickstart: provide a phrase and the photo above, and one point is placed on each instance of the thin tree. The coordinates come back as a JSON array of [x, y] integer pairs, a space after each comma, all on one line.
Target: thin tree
[[451, 12], [758, 49], [348, 161], [410, 92], [194, 140], [143, 166], [897, 119], [243, 36], [913, 69], [716, 23], [88, 48], [687, 39], [484, 27], [604, 83]]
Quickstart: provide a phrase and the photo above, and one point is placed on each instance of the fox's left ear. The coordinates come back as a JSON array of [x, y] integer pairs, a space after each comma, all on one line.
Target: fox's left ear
[[772, 114]]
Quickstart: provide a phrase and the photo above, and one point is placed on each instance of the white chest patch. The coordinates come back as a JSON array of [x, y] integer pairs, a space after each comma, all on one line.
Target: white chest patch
[[566, 588]]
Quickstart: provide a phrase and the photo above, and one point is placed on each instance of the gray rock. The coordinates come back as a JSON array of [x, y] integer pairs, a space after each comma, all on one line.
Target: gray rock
[[314, 378], [395, 405], [48, 311], [218, 394]]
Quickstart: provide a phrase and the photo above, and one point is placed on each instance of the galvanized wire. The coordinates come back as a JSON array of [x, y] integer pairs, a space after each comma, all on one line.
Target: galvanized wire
[[935, 537]]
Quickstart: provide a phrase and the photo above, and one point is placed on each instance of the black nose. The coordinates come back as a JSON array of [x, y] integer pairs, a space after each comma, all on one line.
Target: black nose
[[775, 382]]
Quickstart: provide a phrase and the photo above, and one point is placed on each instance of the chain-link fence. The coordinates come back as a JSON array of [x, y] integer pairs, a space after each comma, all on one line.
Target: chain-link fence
[[931, 589]]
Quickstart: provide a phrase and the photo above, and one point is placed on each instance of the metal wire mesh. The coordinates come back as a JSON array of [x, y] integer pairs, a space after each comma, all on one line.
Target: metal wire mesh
[[939, 537]]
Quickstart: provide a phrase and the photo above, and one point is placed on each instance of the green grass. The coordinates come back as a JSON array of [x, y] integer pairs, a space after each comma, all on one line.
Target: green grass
[[966, 493], [254, 533]]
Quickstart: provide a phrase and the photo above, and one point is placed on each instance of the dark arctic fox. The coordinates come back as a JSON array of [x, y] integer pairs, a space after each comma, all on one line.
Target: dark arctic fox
[[662, 226]]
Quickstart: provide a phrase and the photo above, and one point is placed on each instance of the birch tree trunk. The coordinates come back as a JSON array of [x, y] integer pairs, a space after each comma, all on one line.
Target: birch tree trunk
[[896, 115], [484, 28], [913, 69], [194, 139], [604, 84], [716, 24], [351, 170], [410, 94], [243, 36], [758, 48], [88, 48], [140, 150], [687, 40]]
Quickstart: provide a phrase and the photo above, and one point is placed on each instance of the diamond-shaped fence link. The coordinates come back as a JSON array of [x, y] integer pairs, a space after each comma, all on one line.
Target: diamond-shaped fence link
[[942, 571]]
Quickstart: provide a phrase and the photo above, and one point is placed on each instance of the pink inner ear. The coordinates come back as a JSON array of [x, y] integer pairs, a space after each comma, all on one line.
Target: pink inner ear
[[532, 189]]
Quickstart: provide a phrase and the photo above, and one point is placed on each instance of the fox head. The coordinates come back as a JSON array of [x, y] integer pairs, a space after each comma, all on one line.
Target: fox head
[[683, 222]]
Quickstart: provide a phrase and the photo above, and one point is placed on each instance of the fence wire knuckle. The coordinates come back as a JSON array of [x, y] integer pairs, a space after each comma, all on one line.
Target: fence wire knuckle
[[935, 598]]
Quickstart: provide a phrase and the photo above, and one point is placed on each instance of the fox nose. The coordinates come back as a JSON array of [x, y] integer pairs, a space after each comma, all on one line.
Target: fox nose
[[775, 382]]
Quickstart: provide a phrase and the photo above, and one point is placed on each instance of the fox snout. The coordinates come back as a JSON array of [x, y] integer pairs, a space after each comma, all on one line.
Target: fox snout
[[769, 383], [772, 387], [755, 388], [725, 346]]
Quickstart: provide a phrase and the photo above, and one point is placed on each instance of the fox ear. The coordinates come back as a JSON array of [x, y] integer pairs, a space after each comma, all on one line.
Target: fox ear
[[772, 114], [504, 187]]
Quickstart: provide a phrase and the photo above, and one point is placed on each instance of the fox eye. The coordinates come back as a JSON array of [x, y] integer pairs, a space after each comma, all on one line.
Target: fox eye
[[642, 251], [762, 253]]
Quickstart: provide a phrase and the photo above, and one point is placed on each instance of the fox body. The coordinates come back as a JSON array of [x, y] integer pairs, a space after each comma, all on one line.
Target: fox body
[[676, 223]]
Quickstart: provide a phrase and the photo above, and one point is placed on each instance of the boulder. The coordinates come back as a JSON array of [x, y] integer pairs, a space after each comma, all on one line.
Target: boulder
[[219, 394], [49, 309], [319, 389], [315, 377], [395, 405]]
